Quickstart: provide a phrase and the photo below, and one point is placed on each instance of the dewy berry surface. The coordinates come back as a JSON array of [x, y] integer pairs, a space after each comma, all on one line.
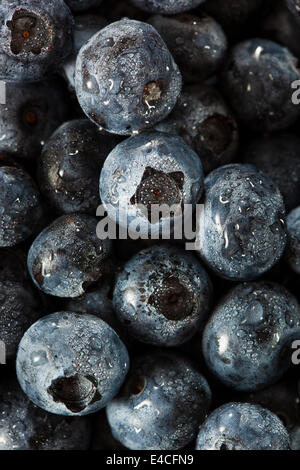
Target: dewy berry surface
[[149, 227]]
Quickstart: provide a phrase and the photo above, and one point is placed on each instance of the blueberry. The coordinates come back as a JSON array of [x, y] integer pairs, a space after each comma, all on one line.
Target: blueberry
[[163, 401], [162, 296], [126, 78], [86, 25], [241, 230], [81, 5], [149, 169], [242, 426], [20, 206], [35, 38], [292, 254], [247, 338], [197, 43], [168, 7], [238, 17], [67, 259], [71, 364], [279, 157], [257, 82], [23, 426], [31, 114], [205, 122], [19, 308], [70, 164]]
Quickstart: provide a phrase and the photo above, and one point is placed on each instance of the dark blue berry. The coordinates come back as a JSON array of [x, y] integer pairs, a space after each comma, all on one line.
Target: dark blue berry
[[257, 82], [31, 114], [279, 157], [70, 165], [71, 364], [35, 38], [20, 206], [162, 296], [24, 426], [197, 43], [67, 258], [247, 338], [126, 78], [241, 232], [242, 426], [207, 125], [161, 405], [148, 169]]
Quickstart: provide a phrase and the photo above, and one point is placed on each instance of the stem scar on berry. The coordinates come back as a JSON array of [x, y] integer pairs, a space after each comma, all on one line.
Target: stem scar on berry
[[29, 33]]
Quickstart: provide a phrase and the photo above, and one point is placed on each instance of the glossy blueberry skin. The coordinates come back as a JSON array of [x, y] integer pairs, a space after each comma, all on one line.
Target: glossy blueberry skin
[[70, 165], [242, 426], [35, 38], [247, 338], [197, 43], [279, 157], [126, 79], [24, 426], [31, 114], [67, 258], [149, 168], [292, 254], [86, 25], [162, 296], [81, 5], [241, 233], [168, 7], [162, 404], [21, 208], [204, 121], [19, 308], [257, 82], [71, 364]]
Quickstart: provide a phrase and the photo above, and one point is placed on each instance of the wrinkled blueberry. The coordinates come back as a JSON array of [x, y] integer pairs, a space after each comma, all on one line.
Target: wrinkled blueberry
[[197, 43], [126, 78], [241, 232], [169, 7], [242, 426], [20, 206], [257, 82], [24, 426], [206, 124], [67, 259], [279, 157], [149, 169], [161, 405], [71, 364], [70, 165], [35, 38], [31, 114], [162, 296], [247, 338]]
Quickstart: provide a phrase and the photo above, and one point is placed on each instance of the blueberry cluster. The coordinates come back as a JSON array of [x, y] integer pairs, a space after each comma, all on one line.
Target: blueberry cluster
[[149, 225]]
